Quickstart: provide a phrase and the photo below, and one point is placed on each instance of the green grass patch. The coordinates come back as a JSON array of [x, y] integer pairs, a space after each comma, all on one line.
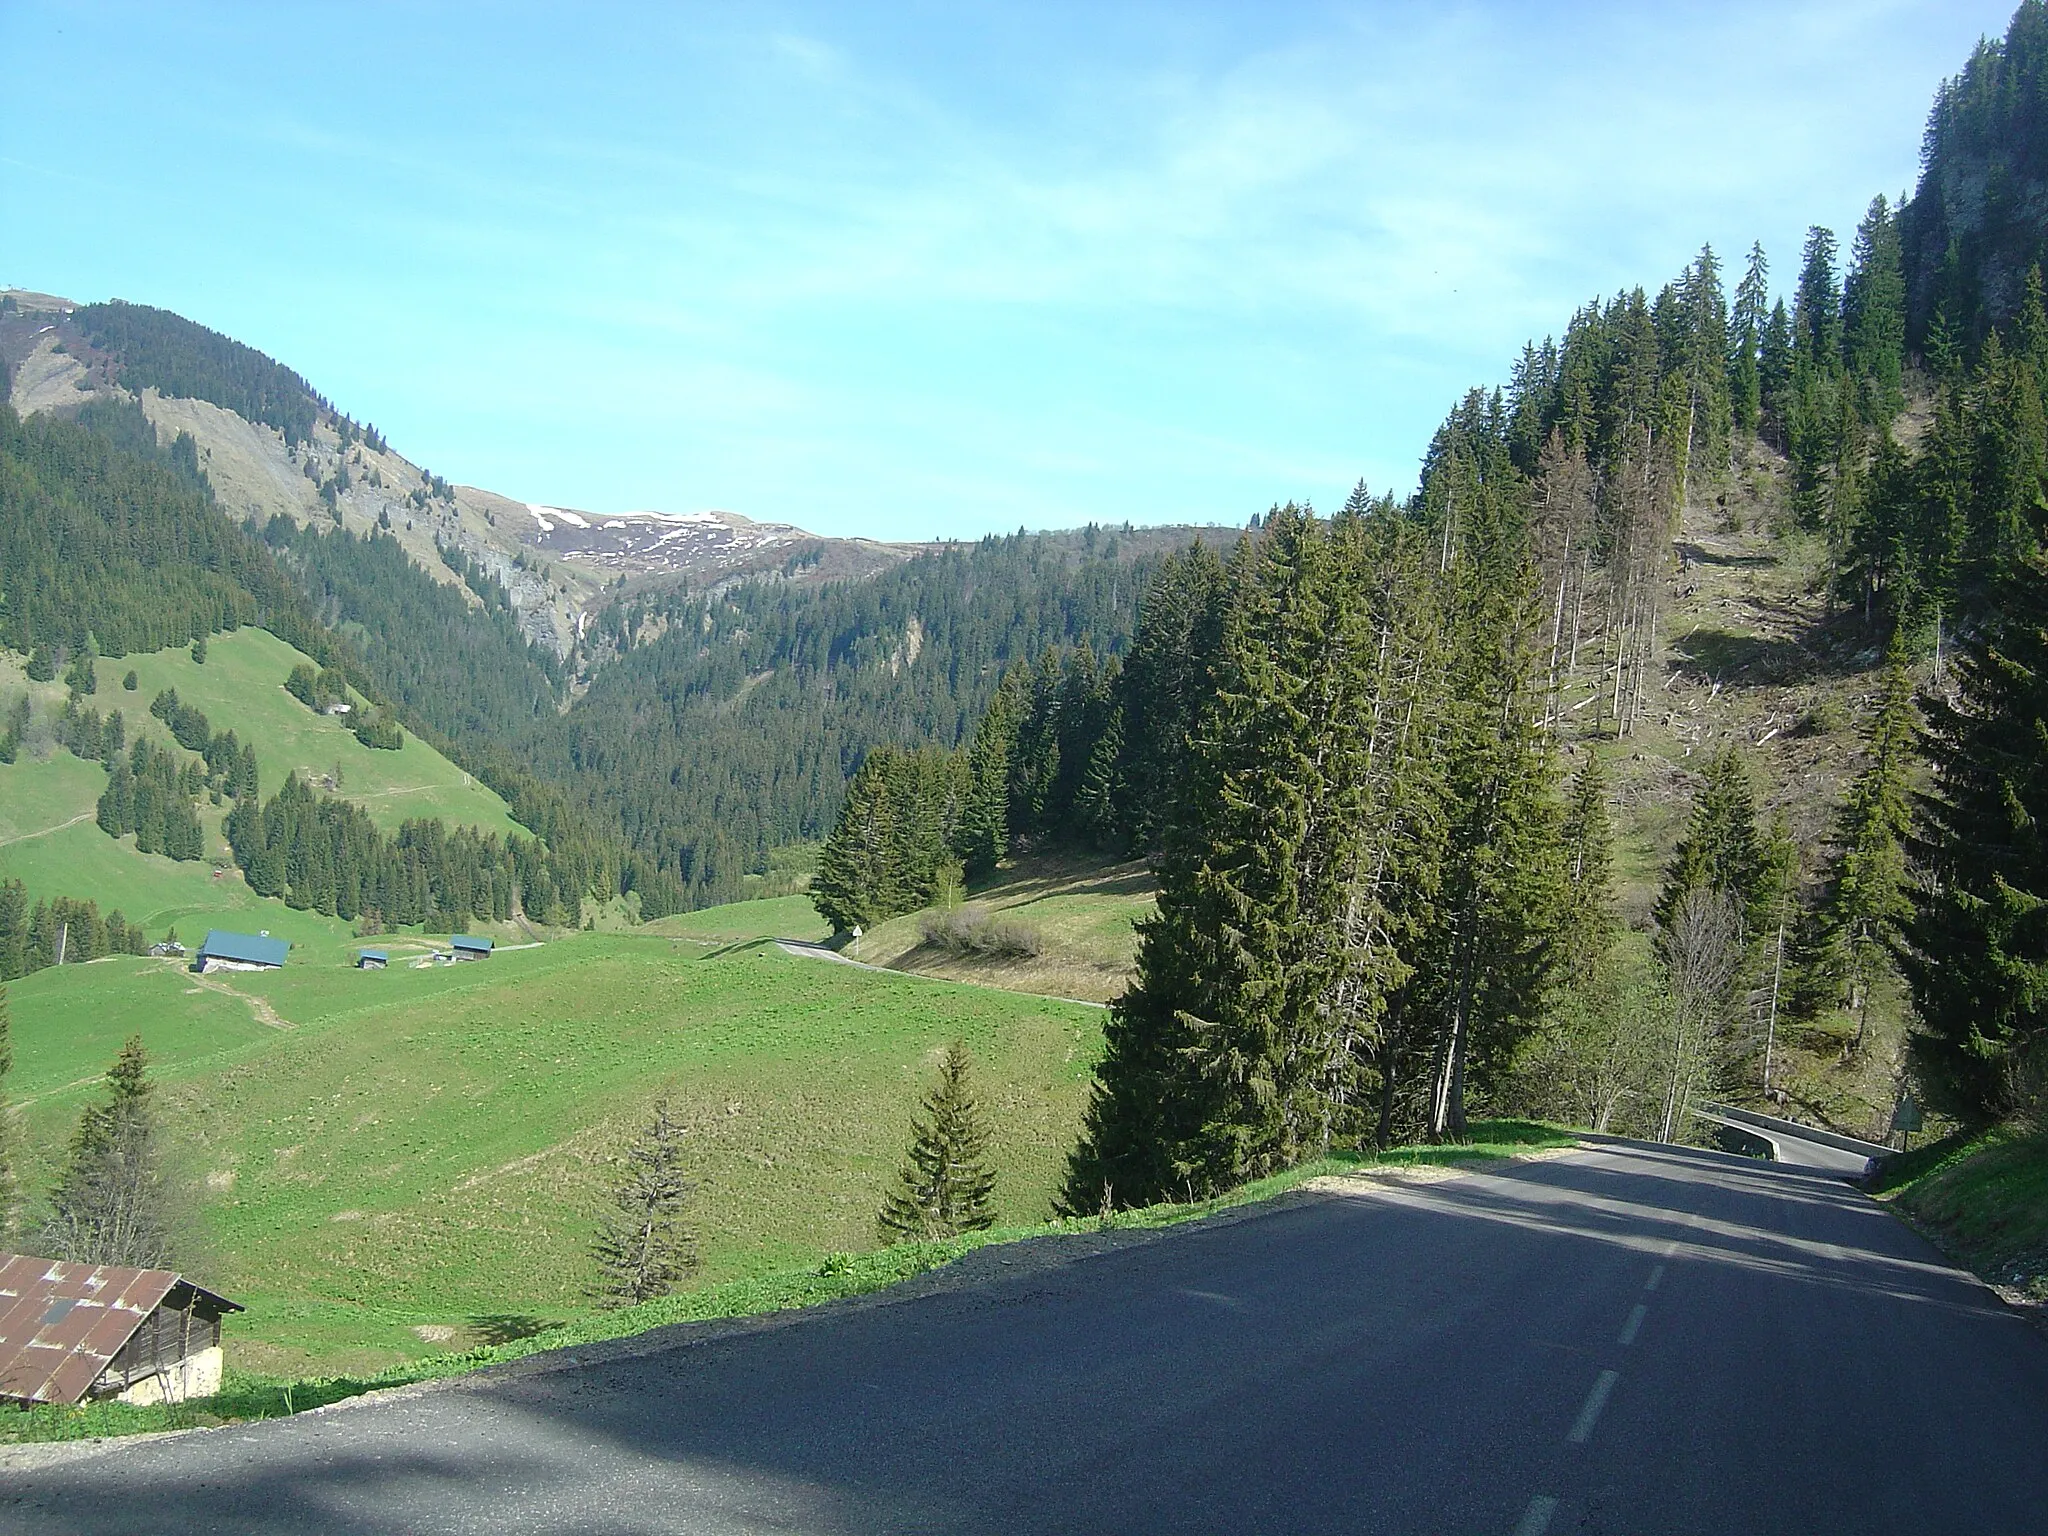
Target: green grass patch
[[241, 687], [50, 841], [1081, 917], [1984, 1198], [836, 1276], [770, 917], [420, 1155]]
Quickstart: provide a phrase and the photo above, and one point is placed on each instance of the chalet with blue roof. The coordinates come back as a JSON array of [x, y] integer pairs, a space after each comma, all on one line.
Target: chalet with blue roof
[[224, 951], [467, 947]]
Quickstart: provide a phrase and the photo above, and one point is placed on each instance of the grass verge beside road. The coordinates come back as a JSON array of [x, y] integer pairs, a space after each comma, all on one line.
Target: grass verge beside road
[[1983, 1199], [837, 1277]]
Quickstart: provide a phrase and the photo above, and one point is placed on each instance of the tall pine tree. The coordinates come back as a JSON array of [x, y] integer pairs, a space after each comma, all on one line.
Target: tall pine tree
[[1865, 896], [1975, 950]]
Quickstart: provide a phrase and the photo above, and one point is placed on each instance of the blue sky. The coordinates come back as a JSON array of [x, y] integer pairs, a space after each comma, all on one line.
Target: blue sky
[[926, 270]]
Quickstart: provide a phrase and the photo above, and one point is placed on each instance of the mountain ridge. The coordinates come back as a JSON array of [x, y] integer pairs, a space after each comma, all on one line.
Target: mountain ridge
[[315, 465]]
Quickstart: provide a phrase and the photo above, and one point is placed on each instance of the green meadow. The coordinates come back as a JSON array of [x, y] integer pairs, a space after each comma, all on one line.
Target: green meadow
[[771, 917], [241, 687], [394, 1163], [50, 842]]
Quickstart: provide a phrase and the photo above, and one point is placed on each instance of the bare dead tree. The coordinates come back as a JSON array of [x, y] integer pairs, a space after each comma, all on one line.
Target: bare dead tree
[[1703, 952]]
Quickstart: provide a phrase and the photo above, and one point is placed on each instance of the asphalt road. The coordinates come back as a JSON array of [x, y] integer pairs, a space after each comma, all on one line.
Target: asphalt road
[[1625, 1339]]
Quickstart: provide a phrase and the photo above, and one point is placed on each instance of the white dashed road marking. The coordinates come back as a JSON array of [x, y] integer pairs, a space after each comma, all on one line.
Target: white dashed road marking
[[1536, 1520], [1634, 1323], [1582, 1431]]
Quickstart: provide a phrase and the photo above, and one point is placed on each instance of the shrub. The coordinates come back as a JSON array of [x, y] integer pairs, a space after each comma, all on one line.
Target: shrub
[[376, 731], [975, 931]]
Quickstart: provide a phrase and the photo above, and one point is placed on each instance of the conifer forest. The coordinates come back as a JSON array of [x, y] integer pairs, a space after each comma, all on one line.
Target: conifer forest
[[1365, 750]]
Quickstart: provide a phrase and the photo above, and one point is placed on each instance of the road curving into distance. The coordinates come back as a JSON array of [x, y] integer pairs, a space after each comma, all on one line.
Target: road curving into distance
[[1621, 1339]]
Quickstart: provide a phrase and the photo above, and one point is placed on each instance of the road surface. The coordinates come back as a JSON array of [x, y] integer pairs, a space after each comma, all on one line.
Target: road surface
[[1624, 1339]]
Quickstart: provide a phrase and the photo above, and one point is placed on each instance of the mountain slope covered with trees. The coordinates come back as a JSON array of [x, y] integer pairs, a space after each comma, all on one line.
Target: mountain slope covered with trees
[[1385, 860]]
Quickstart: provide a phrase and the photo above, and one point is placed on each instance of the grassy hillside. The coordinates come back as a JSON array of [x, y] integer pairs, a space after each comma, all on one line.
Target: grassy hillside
[[773, 917], [241, 687], [50, 842], [379, 1153], [1080, 914]]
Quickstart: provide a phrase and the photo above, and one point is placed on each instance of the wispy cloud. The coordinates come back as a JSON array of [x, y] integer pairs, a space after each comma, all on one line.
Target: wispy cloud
[[899, 270]]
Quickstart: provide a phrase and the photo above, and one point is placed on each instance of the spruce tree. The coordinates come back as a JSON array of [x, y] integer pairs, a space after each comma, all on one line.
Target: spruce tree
[[1817, 304], [851, 887], [1186, 1100], [1698, 352], [1095, 802], [1587, 926], [1975, 951], [947, 1186], [1774, 374], [1874, 316], [1299, 861], [1865, 896], [1163, 687], [80, 677], [1036, 771], [1747, 321], [642, 1250], [112, 1201], [984, 832], [1485, 964], [1721, 850]]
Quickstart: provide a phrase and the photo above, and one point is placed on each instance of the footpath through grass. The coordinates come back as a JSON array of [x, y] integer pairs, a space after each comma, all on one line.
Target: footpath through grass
[[247, 1397], [1983, 1198]]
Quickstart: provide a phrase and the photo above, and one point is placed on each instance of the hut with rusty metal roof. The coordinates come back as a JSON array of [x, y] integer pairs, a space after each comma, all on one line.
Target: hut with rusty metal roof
[[69, 1332]]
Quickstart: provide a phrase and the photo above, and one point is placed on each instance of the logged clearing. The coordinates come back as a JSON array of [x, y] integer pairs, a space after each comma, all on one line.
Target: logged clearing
[[428, 1149], [1754, 653]]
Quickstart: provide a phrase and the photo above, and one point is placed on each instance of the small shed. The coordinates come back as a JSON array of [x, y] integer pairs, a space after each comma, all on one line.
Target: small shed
[[69, 1332], [224, 951], [372, 959], [468, 948]]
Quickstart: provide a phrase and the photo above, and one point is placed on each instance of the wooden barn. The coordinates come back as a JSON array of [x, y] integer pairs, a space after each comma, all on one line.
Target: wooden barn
[[372, 959], [69, 1332], [466, 947]]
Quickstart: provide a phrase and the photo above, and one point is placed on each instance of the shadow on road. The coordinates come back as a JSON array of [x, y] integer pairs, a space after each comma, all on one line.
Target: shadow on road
[[1408, 1357]]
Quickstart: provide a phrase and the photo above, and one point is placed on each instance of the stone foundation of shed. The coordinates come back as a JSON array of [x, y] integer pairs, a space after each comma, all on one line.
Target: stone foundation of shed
[[197, 1375]]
